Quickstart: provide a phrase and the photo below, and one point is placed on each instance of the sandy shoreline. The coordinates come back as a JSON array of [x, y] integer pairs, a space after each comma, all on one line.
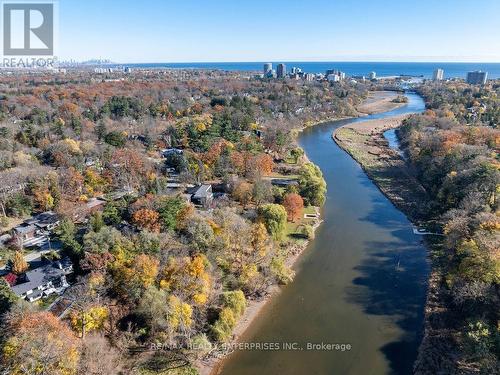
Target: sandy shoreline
[[375, 126], [379, 101]]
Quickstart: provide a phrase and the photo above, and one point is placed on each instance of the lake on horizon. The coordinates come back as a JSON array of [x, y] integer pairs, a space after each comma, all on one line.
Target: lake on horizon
[[424, 69]]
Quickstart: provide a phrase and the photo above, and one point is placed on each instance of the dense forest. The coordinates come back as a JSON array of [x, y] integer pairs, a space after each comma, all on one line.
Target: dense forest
[[150, 266], [453, 148]]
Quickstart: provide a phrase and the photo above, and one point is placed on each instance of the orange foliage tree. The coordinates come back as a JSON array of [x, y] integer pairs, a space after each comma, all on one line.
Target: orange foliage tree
[[294, 205], [147, 219], [39, 343], [262, 164]]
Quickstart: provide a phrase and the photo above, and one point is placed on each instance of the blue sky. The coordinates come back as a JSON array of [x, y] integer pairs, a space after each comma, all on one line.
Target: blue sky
[[312, 30]]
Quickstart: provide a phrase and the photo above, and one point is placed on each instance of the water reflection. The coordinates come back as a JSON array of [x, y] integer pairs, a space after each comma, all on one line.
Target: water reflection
[[361, 281]]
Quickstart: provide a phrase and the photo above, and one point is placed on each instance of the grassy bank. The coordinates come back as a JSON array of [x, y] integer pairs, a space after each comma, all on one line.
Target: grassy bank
[[365, 142]]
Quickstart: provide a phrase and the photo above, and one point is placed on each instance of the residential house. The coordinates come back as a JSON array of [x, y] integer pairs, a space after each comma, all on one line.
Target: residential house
[[280, 182], [202, 195], [88, 208], [25, 232], [119, 194], [35, 230], [43, 281], [171, 151]]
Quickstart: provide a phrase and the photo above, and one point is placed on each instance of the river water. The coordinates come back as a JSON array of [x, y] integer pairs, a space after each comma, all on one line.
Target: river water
[[361, 282]]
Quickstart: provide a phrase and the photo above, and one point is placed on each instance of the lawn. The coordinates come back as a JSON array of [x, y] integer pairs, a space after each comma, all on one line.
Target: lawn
[[44, 303], [292, 229]]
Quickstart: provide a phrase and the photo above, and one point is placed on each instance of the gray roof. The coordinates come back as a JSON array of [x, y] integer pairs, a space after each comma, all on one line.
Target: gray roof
[[38, 277], [203, 191], [4, 238], [94, 202], [36, 293], [41, 220], [46, 218], [284, 182], [25, 229]]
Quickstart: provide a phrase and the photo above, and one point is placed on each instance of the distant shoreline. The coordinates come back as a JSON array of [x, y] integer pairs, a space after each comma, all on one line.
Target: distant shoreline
[[353, 68]]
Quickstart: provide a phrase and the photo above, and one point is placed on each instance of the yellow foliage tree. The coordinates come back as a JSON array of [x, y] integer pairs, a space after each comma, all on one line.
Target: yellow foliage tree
[[179, 317], [145, 269], [19, 264], [260, 239], [132, 276], [43, 199], [89, 320], [73, 146], [188, 277]]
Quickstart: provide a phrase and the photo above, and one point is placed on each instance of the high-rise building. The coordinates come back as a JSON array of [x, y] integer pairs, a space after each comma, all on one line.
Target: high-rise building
[[438, 75], [268, 67], [309, 77], [373, 75], [281, 71], [333, 78], [477, 77], [334, 72]]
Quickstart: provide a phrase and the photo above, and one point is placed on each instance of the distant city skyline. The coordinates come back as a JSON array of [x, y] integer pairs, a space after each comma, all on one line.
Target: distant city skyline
[[317, 30]]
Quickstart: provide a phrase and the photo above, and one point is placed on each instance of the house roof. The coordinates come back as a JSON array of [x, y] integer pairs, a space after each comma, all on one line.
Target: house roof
[[203, 191], [4, 238], [46, 218], [94, 202], [36, 294], [41, 220], [23, 228], [38, 277], [283, 182], [172, 150]]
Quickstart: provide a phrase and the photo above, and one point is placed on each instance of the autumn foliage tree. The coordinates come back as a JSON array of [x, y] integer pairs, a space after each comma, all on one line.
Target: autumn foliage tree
[[294, 205], [132, 277], [39, 343], [127, 168], [19, 264], [89, 320], [147, 219], [261, 164], [188, 278], [242, 192]]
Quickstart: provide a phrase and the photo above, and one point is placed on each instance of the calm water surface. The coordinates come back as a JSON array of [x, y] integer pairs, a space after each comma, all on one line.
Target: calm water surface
[[424, 69], [362, 281]]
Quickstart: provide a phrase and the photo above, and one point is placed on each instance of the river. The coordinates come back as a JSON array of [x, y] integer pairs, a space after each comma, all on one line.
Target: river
[[361, 281]]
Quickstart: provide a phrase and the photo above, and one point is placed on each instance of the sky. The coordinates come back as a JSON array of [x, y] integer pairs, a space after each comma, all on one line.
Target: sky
[[276, 30]]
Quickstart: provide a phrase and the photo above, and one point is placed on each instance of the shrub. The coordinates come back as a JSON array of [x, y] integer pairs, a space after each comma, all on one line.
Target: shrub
[[274, 218], [233, 307]]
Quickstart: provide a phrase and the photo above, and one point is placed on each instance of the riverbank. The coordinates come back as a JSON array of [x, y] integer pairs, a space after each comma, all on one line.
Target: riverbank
[[214, 362], [365, 142], [378, 102]]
